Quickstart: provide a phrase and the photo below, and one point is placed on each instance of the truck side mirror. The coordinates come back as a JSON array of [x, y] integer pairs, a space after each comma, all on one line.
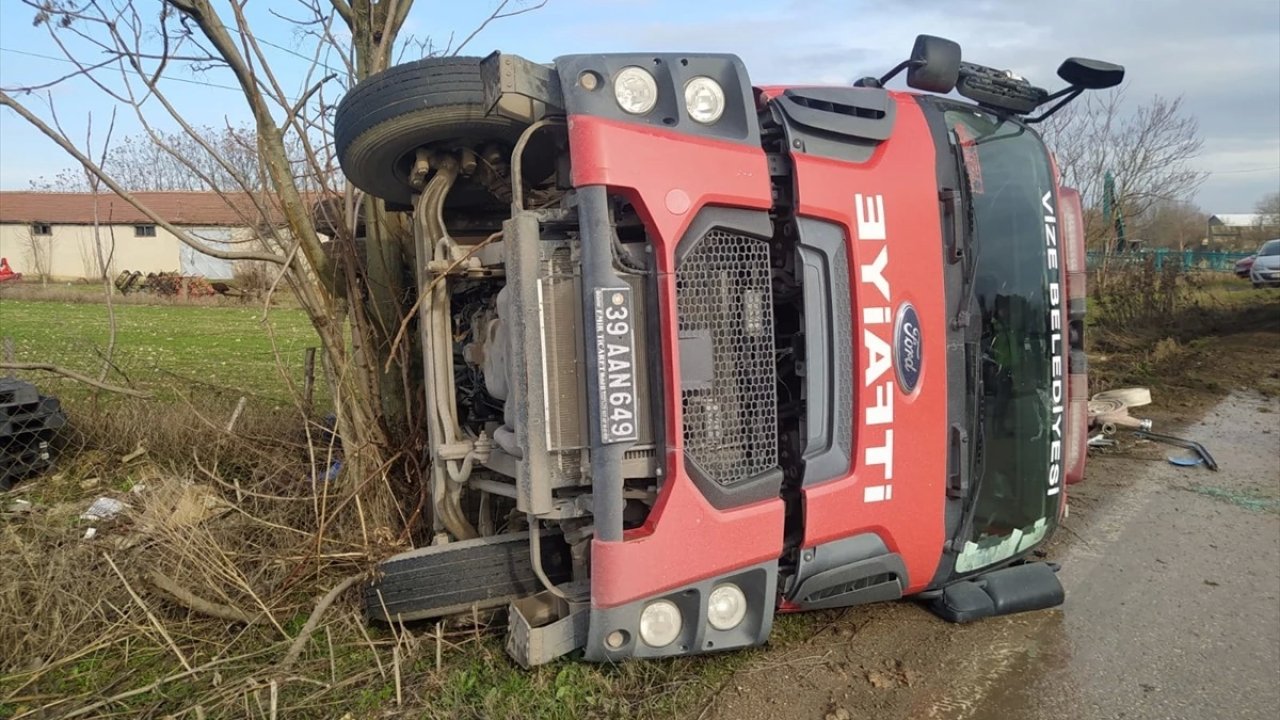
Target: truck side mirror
[[1089, 74], [934, 64]]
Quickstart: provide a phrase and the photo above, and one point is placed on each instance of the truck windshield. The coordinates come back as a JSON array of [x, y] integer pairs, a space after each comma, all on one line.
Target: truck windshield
[[1012, 200]]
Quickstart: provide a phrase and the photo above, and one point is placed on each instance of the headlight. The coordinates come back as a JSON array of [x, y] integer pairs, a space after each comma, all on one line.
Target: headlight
[[660, 623], [635, 90], [704, 99], [726, 606]]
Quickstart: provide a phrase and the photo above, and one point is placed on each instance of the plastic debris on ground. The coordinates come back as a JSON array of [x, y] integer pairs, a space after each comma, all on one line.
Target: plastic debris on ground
[[104, 508]]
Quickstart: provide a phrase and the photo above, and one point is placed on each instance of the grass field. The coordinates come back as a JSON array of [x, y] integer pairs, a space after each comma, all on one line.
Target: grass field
[[166, 347]]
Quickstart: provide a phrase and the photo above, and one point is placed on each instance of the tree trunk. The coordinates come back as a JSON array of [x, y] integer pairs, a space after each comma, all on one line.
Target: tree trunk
[[386, 301], [387, 266]]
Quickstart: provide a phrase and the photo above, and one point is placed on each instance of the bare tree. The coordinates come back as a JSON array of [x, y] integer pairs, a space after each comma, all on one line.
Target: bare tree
[[356, 304], [140, 164], [1175, 224], [1268, 209], [1150, 151], [104, 244]]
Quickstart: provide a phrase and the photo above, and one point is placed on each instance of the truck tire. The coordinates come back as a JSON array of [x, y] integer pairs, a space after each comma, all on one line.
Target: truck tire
[[443, 580], [385, 118]]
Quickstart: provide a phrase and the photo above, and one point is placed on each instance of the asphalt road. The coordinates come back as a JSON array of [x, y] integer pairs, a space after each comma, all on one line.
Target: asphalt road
[[1172, 612], [1174, 592]]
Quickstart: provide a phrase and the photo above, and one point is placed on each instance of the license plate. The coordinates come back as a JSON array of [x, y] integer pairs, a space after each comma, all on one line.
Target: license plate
[[616, 365]]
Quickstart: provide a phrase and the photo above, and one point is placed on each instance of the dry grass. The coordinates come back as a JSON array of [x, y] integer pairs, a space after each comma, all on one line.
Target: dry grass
[[233, 519], [88, 630], [1190, 339], [90, 634]]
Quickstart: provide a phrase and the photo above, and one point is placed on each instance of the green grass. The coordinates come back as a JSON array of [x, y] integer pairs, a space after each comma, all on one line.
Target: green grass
[[166, 347]]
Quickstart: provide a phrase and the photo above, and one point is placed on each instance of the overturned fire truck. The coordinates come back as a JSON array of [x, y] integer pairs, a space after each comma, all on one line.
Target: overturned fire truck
[[698, 352]]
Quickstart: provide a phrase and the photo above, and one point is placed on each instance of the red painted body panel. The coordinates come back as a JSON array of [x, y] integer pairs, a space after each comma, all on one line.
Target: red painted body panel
[[668, 177], [910, 519], [1072, 245], [648, 165]]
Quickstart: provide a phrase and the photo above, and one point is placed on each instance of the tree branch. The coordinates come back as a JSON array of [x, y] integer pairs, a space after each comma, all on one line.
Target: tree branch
[[270, 138], [497, 14], [58, 370], [343, 9], [303, 635], [194, 602]]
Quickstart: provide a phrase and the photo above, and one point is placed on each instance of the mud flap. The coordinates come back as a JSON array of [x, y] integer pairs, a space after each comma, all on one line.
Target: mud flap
[[449, 579], [1021, 588]]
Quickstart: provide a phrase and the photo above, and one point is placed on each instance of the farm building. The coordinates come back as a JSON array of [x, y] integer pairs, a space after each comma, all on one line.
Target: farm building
[[1228, 229], [52, 234]]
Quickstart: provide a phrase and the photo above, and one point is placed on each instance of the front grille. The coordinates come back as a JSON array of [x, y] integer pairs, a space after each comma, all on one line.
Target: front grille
[[728, 370]]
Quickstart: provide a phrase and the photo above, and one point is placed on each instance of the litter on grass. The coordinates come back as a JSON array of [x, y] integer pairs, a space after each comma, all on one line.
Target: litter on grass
[[104, 508]]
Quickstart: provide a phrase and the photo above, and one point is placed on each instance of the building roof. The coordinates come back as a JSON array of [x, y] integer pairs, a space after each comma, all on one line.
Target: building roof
[[180, 208], [1237, 219]]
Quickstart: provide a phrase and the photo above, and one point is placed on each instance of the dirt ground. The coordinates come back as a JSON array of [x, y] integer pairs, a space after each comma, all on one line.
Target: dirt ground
[[1172, 577]]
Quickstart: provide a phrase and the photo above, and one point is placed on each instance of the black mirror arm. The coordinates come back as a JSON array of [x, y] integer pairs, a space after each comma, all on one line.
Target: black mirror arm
[[1064, 91], [899, 68], [1069, 93]]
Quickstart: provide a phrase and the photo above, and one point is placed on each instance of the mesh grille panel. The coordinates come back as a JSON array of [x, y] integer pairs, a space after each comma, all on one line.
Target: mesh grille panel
[[843, 344], [725, 311]]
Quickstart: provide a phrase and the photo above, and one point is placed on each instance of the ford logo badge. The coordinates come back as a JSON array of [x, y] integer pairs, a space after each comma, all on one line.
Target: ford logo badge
[[908, 349]]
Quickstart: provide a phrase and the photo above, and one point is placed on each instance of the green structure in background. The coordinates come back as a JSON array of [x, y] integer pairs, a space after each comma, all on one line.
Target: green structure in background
[[1194, 259], [1112, 212]]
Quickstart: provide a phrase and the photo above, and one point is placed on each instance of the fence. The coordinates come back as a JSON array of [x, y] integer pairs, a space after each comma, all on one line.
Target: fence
[[1207, 260]]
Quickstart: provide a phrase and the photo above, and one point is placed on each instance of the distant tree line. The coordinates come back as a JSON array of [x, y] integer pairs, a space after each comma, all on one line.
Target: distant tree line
[[161, 160], [1150, 151]]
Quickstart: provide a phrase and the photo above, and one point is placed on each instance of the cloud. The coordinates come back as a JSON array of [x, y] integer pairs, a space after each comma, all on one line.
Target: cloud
[[1222, 57]]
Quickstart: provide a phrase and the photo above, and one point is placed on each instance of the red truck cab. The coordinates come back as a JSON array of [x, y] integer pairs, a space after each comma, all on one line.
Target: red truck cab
[[761, 349]]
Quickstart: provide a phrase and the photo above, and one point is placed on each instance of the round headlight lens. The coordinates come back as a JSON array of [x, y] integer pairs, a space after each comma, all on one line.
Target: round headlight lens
[[726, 606], [660, 623], [704, 99], [635, 90]]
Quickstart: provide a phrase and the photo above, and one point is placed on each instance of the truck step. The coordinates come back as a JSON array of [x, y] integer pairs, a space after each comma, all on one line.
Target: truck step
[[1015, 589]]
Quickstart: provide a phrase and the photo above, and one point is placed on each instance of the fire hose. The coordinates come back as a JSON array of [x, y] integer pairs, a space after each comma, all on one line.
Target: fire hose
[[1109, 411]]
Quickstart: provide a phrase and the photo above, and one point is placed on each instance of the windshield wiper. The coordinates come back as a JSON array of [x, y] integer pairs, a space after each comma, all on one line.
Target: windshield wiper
[[963, 245], [975, 388], [964, 251]]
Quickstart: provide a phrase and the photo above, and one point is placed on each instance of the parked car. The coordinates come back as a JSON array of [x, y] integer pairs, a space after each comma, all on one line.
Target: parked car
[[1265, 271], [1243, 265]]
